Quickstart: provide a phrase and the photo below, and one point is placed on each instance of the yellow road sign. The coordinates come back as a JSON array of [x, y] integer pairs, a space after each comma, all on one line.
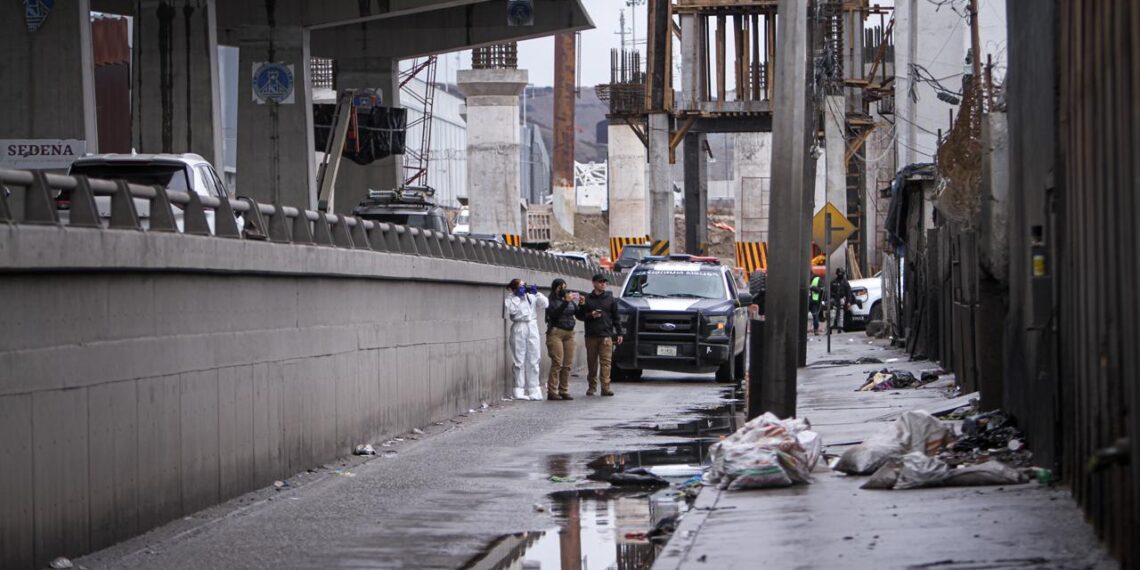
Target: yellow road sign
[[841, 228]]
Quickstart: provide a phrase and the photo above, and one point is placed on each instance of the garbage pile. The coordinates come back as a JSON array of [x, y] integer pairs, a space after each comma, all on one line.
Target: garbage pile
[[766, 452], [989, 435], [918, 450], [895, 379]]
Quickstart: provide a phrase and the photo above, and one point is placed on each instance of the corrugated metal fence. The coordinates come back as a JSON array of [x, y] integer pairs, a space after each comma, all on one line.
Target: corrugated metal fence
[[1097, 270]]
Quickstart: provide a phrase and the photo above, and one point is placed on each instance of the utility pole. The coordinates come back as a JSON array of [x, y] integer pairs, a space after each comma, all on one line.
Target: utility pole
[[621, 28], [633, 4], [789, 220], [975, 41], [658, 107]]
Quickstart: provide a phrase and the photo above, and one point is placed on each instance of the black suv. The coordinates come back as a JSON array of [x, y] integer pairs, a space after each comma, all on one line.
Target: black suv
[[410, 206], [682, 314]]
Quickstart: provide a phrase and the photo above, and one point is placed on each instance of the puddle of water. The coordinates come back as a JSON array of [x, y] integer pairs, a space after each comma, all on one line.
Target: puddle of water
[[596, 529], [612, 528], [711, 423]]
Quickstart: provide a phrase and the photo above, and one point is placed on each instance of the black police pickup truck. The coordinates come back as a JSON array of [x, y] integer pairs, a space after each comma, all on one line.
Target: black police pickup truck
[[682, 314]]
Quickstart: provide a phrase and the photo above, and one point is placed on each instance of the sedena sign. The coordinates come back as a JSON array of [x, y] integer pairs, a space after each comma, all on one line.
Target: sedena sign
[[40, 153]]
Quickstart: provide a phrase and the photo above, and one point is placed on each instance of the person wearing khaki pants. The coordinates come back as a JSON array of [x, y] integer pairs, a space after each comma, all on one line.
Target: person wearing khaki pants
[[599, 359], [560, 339], [599, 310]]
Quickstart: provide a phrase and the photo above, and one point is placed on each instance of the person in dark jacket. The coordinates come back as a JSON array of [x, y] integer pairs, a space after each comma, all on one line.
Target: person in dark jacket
[[560, 325], [758, 288], [599, 311], [841, 299]]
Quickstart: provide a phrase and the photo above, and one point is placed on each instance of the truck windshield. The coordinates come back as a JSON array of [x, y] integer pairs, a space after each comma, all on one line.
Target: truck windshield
[[424, 221], [633, 253], [675, 284], [172, 176]]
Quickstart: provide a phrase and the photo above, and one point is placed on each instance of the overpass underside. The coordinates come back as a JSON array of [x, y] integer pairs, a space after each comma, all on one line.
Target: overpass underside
[[175, 98]]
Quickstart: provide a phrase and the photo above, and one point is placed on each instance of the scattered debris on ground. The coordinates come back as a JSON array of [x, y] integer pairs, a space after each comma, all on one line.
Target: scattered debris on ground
[[841, 362], [913, 431], [886, 379], [916, 469], [364, 449], [562, 479], [766, 452], [60, 563], [919, 450], [637, 477]]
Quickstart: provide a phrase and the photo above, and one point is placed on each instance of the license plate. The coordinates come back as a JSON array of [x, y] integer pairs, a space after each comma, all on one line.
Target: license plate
[[666, 351]]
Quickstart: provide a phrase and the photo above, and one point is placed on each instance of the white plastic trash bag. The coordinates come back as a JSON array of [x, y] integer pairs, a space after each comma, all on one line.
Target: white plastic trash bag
[[921, 470], [912, 432], [766, 452]]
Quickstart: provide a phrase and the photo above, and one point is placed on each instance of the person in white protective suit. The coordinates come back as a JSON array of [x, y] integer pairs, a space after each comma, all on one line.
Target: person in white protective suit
[[524, 304]]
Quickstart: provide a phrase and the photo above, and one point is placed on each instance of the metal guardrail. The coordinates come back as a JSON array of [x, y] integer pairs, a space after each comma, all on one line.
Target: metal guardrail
[[262, 222]]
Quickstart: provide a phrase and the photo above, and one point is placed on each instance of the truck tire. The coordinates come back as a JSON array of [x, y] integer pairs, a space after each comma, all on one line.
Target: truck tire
[[740, 365], [876, 312], [726, 374]]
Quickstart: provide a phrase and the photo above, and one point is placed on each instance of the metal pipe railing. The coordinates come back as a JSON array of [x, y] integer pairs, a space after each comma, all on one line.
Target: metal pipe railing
[[264, 222]]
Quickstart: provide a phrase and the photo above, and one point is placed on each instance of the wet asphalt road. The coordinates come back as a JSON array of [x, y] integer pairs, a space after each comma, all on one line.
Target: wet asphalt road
[[441, 499]]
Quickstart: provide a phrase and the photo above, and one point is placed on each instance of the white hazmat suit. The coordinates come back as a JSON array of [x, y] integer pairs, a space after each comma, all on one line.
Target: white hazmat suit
[[525, 342]]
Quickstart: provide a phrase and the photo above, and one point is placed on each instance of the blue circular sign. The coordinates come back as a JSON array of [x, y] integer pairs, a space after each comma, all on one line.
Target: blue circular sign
[[273, 82]]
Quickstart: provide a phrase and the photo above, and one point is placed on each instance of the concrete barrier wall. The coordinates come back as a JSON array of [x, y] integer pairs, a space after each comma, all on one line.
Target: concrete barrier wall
[[144, 376]]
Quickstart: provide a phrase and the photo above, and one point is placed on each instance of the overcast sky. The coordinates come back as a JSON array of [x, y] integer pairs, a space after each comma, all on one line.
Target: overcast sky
[[537, 56]]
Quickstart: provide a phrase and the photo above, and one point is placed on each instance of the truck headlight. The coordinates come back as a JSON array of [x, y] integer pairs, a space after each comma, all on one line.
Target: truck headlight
[[623, 318], [860, 295], [717, 325]]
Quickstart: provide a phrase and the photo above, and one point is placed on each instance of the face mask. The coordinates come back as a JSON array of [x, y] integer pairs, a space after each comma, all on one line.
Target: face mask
[[521, 291]]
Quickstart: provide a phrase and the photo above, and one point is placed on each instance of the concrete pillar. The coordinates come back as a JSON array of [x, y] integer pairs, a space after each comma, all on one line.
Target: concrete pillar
[[659, 176], [176, 100], [276, 161], [696, 194], [834, 129], [692, 62], [47, 81], [353, 180], [790, 225], [629, 208], [752, 178], [493, 169]]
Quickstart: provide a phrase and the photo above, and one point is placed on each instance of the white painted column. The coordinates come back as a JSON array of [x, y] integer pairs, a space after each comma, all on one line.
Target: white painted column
[[629, 208], [276, 160], [659, 174], [176, 100], [47, 80], [493, 169], [353, 180], [751, 177]]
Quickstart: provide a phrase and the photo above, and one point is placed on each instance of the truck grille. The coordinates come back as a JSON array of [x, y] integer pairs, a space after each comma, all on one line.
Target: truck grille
[[668, 323]]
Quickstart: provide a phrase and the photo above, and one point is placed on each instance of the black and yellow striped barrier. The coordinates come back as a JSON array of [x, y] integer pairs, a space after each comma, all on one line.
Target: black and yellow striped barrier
[[752, 255], [659, 247], [513, 239], [617, 243]]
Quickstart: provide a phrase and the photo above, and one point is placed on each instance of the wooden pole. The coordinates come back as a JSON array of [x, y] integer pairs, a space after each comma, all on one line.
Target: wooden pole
[[738, 60], [770, 68], [755, 71], [720, 63]]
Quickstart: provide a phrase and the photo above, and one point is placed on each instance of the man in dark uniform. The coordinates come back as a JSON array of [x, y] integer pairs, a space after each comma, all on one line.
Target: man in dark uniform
[[841, 299], [599, 311]]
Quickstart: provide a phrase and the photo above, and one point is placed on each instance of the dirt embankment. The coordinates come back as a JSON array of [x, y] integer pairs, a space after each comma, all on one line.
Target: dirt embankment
[[591, 234]]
